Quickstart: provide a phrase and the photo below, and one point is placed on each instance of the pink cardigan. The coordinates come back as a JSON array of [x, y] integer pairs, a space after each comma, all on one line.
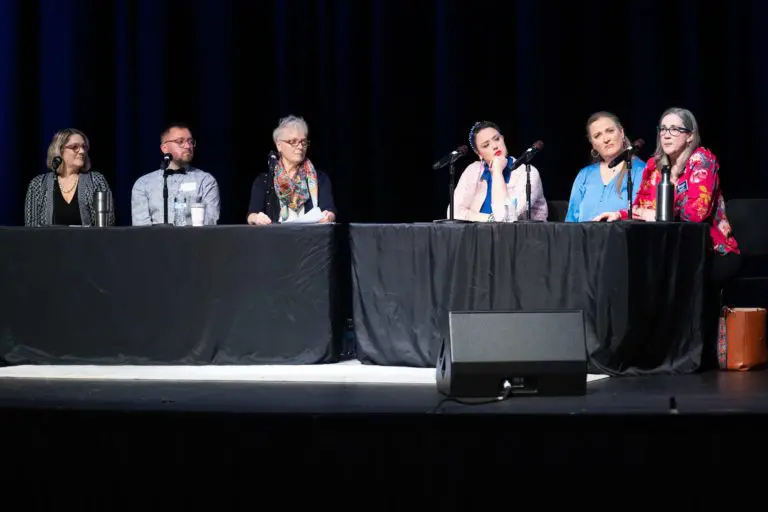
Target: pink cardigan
[[470, 192]]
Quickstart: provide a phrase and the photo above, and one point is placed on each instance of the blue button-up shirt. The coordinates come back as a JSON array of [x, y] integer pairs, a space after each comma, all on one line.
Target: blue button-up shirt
[[194, 185]]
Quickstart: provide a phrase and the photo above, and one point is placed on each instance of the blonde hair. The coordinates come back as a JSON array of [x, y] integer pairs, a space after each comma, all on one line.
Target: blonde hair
[[59, 140], [625, 143]]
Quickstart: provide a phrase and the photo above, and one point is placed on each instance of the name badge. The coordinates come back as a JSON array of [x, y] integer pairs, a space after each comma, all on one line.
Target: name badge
[[682, 187], [188, 186]]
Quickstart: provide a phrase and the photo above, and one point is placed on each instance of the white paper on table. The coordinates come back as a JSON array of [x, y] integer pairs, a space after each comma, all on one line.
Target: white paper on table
[[313, 216]]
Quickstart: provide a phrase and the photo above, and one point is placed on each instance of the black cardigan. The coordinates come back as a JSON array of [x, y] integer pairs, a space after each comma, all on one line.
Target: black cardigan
[[259, 196]]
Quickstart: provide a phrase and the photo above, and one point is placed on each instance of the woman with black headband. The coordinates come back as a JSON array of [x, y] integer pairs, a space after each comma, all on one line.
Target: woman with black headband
[[488, 191]]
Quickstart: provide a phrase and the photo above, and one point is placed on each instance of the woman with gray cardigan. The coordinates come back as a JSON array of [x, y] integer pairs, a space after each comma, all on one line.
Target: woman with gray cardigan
[[65, 196]]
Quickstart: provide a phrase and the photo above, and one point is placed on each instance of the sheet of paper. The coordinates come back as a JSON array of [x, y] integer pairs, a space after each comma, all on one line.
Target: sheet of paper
[[313, 216]]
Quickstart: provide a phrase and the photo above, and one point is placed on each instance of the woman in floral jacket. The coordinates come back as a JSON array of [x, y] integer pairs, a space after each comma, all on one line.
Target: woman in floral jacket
[[695, 175]]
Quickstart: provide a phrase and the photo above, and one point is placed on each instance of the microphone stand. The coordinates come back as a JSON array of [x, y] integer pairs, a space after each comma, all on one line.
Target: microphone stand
[[627, 156], [164, 165], [165, 196], [629, 183], [528, 206], [528, 188], [451, 188], [56, 165], [269, 188]]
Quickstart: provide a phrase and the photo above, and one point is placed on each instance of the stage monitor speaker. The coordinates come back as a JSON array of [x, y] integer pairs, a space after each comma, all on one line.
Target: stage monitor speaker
[[507, 353]]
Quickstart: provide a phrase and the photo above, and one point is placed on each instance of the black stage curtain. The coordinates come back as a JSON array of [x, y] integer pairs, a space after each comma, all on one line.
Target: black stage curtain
[[168, 295], [640, 285], [387, 87]]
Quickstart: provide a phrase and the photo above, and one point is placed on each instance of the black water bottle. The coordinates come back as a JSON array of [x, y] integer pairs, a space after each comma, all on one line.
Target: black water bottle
[[665, 194]]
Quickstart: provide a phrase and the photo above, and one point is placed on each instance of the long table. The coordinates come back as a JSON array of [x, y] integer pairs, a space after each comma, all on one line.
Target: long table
[[168, 295], [639, 284]]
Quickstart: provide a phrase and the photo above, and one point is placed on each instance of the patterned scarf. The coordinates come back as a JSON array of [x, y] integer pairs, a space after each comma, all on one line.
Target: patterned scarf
[[294, 192]]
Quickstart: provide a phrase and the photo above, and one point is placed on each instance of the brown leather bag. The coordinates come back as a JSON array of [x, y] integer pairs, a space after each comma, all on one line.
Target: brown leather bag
[[741, 341]]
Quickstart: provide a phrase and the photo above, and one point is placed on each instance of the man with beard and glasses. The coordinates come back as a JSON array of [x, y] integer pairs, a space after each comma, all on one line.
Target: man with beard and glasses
[[186, 183]]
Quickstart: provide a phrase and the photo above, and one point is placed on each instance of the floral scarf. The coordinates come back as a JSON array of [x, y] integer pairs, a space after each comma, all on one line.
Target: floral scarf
[[293, 193]]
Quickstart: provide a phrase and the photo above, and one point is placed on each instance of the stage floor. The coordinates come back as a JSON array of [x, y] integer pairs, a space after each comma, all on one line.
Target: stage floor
[[354, 388]]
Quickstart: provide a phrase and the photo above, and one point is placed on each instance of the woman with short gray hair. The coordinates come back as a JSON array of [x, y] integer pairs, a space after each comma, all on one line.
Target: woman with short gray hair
[[292, 187]]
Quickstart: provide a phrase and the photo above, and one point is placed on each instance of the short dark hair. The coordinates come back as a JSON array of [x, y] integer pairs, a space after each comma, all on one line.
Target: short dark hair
[[480, 125], [171, 126]]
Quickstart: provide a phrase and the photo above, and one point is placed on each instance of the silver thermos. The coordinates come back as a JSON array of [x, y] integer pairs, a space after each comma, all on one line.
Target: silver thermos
[[101, 208], [665, 194]]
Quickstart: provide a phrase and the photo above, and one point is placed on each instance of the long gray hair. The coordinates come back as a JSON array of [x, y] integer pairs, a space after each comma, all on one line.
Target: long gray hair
[[689, 123]]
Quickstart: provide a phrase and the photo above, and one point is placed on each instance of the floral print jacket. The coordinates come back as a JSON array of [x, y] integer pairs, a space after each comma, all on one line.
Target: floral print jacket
[[698, 197]]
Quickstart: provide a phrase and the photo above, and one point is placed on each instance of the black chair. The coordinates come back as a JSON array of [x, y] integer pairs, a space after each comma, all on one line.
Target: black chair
[[749, 221], [557, 211]]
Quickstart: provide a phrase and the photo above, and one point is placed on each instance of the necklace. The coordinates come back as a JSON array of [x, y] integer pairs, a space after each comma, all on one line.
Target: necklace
[[74, 184]]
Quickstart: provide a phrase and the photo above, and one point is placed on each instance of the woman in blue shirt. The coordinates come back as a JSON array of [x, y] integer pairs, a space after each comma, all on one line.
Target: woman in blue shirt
[[597, 187]]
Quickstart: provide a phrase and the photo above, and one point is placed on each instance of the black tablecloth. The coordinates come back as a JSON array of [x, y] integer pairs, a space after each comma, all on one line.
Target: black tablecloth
[[640, 285], [168, 295]]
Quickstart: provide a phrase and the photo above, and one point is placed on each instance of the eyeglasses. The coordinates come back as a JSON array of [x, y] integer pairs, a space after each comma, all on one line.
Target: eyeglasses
[[296, 143], [181, 142], [76, 147], [672, 130]]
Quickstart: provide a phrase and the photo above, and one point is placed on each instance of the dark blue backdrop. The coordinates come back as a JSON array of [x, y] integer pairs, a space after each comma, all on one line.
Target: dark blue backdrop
[[386, 86]]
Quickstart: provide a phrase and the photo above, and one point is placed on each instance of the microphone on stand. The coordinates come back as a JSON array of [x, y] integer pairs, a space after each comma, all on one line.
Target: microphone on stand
[[56, 163], [450, 159], [631, 150], [626, 156], [528, 155], [164, 166], [526, 158], [272, 159]]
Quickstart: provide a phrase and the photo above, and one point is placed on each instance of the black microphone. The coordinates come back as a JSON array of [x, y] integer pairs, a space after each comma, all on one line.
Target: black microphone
[[272, 159], [528, 155], [451, 157], [55, 164], [166, 161], [632, 149]]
